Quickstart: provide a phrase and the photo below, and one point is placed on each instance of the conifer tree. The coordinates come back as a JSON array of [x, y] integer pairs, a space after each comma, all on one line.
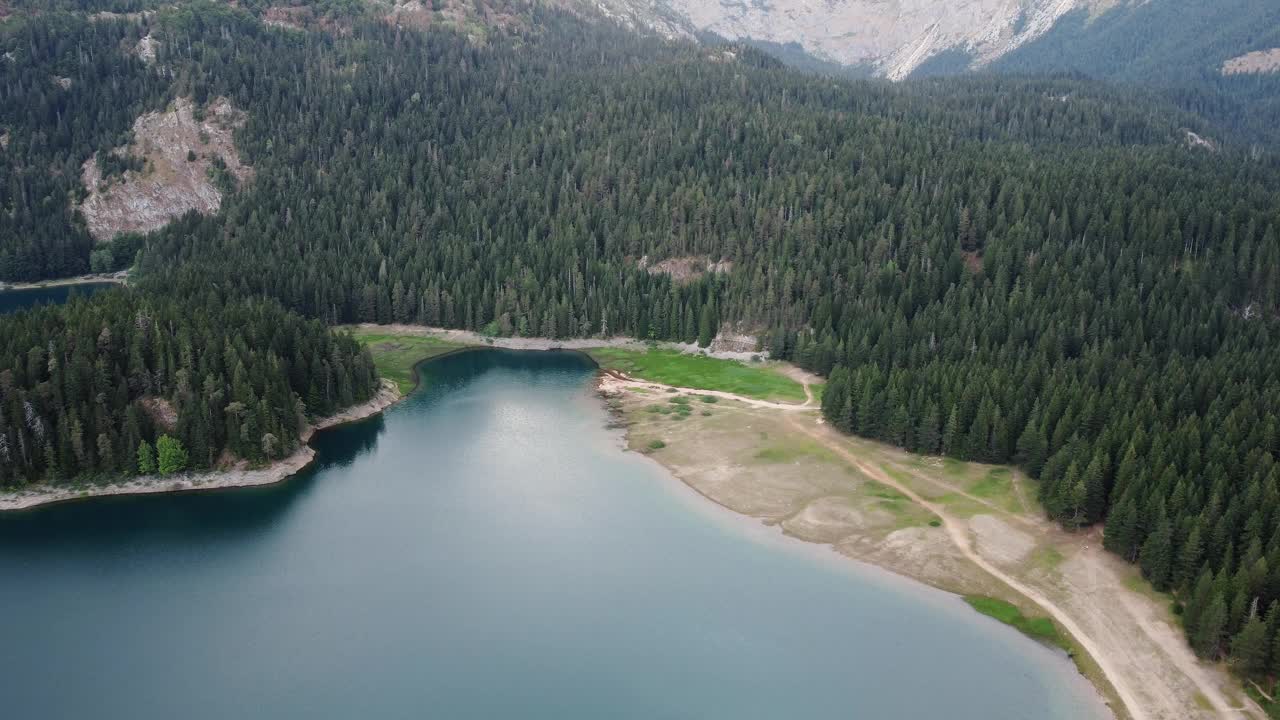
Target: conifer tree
[[146, 458]]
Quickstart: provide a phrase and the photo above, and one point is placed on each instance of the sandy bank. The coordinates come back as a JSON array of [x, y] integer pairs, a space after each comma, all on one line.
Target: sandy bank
[[468, 337], [278, 471], [960, 527], [120, 278]]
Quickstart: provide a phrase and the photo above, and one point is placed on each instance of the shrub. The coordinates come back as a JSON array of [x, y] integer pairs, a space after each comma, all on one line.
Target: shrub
[[172, 456]]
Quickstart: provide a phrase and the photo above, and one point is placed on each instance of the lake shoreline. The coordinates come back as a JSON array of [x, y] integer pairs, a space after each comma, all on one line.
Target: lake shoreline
[[117, 278], [37, 496], [470, 339], [279, 471], [285, 469]]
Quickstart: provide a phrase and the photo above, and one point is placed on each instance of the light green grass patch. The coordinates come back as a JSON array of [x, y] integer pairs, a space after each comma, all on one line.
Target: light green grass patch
[[1039, 628], [875, 489], [995, 484], [794, 450], [395, 356], [955, 468], [818, 389], [703, 373], [1046, 557], [962, 506]]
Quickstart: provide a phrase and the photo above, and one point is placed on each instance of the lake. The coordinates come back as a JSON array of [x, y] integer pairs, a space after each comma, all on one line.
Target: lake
[[485, 549], [14, 300]]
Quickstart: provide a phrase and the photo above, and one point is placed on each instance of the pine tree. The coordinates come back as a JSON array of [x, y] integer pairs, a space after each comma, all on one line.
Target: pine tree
[[1251, 648], [1031, 447], [952, 436], [1198, 602], [1208, 638], [1121, 536], [1189, 559], [1156, 557], [146, 458]]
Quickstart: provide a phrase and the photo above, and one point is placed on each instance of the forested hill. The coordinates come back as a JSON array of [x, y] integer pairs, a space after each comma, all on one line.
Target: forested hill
[[1049, 271], [88, 388]]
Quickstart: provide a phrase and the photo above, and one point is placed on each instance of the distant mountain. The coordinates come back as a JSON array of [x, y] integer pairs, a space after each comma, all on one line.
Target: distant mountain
[[1129, 39], [891, 37], [1166, 41]]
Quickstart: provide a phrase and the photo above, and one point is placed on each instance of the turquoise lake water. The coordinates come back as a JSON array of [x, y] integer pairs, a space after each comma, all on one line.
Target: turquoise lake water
[[485, 549]]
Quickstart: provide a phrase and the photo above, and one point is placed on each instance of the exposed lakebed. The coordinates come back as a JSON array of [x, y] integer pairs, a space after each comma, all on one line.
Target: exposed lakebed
[[483, 550]]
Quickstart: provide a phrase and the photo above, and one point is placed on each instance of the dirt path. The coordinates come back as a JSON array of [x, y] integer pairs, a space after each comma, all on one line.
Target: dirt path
[[615, 380], [959, 533], [469, 337], [957, 490]]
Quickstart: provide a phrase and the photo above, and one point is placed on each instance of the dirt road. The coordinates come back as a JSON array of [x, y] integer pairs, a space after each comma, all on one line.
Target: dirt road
[[619, 380]]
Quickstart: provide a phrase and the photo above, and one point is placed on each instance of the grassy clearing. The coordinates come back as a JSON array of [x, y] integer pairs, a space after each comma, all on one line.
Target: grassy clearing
[[961, 506], [704, 373], [875, 489], [818, 389], [396, 355], [1040, 628], [791, 450], [995, 484], [1046, 557]]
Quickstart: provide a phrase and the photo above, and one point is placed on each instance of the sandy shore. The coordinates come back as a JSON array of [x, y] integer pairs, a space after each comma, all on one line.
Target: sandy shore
[[120, 278], [952, 527], [278, 471], [468, 337]]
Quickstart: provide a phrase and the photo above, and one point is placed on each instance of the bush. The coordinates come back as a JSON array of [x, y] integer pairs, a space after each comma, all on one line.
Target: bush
[[656, 445], [172, 456]]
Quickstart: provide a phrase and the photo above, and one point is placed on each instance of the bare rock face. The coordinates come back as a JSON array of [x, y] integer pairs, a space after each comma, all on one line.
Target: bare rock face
[[170, 185], [685, 269], [146, 49], [731, 340], [1196, 141], [660, 16], [1262, 61], [893, 36]]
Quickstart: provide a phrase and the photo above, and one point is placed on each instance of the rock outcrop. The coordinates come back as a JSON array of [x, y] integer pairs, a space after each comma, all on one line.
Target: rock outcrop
[[177, 153]]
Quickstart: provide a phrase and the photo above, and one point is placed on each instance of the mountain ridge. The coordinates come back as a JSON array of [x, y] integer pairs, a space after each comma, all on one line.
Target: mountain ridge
[[894, 37]]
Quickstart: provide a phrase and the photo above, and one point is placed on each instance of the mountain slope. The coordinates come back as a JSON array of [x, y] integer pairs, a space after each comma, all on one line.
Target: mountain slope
[[1121, 39], [894, 37], [1168, 41]]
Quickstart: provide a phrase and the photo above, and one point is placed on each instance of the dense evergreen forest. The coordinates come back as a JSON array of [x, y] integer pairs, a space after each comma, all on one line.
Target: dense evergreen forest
[[91, 386], [1008, 269]]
